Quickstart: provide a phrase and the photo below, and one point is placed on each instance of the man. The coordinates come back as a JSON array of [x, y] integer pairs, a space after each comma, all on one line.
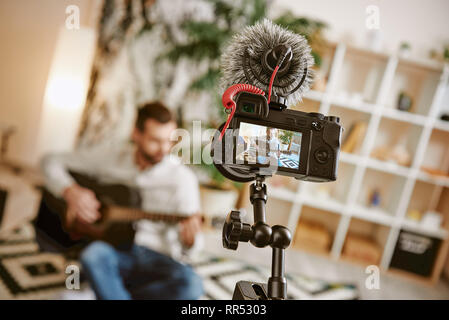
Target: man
[[273, 143], [151, 269], [270, 149]]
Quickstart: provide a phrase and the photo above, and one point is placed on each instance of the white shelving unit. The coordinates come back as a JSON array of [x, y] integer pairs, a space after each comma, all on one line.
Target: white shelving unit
[[376, 80]]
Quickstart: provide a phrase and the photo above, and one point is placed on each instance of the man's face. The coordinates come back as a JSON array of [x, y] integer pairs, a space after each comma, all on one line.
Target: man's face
[[154, 142]]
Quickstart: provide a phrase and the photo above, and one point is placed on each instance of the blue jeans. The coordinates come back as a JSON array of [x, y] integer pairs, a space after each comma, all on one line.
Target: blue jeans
[[139, 273]]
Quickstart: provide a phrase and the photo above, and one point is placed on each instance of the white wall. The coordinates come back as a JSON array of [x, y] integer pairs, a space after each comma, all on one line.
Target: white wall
[[28, 34], [29, 29], [424, 24]]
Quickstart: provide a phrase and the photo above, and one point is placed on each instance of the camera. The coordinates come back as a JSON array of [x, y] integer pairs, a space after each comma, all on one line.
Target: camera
[[267, 138], [262, 137]]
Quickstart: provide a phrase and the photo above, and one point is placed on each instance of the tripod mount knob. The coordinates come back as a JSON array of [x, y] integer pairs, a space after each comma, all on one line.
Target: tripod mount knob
[[234, 231]]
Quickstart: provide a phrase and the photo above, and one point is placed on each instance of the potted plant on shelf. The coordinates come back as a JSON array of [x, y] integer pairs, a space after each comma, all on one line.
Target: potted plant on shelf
[[404, 49]]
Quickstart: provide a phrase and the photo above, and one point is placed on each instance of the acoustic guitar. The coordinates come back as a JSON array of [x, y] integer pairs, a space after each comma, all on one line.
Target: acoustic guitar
[[120, 207]]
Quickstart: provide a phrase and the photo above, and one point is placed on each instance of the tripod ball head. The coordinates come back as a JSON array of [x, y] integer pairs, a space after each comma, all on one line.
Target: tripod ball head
[[261, 234], [280, 237]]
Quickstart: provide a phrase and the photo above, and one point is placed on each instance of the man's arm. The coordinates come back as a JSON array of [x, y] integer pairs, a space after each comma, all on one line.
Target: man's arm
[[189, 230], [81, 202], [188, 197], [56, 167]]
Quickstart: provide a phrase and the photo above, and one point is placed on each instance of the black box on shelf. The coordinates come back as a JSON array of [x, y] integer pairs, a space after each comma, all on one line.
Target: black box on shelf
[[415, 253]]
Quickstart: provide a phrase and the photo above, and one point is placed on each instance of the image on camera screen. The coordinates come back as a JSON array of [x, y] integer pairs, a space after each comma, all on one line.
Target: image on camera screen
[[257, 144]]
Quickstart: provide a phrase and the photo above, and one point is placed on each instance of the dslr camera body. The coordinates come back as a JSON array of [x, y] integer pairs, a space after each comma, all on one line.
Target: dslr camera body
[[264, 138], [261, 137]]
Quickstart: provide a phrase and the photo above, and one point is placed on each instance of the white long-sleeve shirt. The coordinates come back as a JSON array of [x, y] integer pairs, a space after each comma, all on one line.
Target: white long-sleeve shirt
[[168, 187]]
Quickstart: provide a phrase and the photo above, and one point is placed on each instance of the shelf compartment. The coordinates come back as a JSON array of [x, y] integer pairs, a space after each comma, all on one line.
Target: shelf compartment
[[364, 242], [441, 181], [353, 104], [316, 229], [312, 95], [327, 53], [436, 157], [355, 124], [442, 125], [425, 197], [389, 167], [360, 76], [443, 206], [396, 141], [418, 83], [309, 104], [350, 158], [404, 116], [374, 215], [330, 193], [328, 204], [414, 226], [388, 186], [281, 193], [282, 188], [277, 211]]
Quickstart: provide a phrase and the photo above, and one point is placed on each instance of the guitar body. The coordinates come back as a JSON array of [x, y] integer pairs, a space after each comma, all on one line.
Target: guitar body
[[54, 230], [120, 207], [119, 233]]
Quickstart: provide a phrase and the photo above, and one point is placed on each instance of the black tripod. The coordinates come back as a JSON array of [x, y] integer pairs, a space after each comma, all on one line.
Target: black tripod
[[260, 235]]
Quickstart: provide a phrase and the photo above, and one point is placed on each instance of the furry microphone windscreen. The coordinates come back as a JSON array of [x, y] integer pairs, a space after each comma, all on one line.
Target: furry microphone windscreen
[[241, 61]]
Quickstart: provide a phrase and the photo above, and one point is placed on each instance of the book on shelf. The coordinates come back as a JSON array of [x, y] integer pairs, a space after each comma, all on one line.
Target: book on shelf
[[355, 137]]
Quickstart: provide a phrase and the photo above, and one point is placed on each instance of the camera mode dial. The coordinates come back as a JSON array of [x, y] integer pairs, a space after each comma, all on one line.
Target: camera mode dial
[[316, 115]]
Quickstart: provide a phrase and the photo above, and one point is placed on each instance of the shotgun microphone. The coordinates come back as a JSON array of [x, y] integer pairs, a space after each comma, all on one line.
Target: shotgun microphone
[[267, 60], [252, 56]]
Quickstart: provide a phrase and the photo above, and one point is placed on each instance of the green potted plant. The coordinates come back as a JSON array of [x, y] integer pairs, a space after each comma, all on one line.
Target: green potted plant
[[404, 49]]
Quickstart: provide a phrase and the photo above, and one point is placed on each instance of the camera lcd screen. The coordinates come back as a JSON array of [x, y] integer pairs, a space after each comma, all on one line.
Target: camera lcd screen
[[257, 144]]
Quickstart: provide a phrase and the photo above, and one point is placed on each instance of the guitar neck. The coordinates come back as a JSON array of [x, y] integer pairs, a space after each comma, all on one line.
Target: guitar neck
[[124, 196], [117, 213]]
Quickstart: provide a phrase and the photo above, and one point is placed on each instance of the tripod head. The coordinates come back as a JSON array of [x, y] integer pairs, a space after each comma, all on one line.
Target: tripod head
[[260, 234]]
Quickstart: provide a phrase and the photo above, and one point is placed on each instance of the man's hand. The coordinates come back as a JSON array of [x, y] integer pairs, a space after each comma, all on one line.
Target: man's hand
[[81, 204], [189, 228]]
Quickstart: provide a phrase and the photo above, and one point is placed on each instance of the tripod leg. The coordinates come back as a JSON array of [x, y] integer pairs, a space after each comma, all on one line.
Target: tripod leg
[[277, 283]]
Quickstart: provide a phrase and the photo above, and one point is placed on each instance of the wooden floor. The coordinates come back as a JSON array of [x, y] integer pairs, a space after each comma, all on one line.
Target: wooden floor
[[324, 268]]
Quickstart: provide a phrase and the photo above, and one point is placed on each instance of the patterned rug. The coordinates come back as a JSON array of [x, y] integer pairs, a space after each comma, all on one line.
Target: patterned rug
[[286, 162], [26, 273]]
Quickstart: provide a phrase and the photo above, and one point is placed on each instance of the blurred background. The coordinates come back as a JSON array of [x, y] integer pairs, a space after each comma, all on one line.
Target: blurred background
[[73, 73]]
